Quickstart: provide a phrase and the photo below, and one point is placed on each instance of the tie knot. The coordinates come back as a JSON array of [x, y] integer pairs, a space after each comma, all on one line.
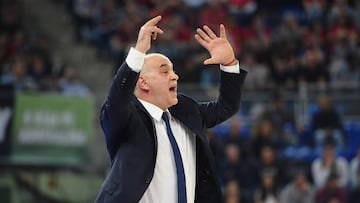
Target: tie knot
[[165, 116]]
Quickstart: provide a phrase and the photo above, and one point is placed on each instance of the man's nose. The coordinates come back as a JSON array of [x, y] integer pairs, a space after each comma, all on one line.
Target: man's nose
[[174, 76]]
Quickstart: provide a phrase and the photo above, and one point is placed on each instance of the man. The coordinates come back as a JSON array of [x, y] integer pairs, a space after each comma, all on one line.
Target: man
[[326, 122], [328, 164], [298, 191], [155, 137]]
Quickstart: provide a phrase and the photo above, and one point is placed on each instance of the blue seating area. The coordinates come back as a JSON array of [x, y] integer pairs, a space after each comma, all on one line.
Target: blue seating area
[[304, 149]]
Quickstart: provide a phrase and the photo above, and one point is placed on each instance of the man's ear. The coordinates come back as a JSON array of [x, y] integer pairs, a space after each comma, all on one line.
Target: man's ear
[[142, 84]]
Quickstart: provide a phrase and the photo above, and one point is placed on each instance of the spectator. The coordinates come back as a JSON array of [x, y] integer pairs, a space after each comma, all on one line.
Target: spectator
[[326, 122], [10, 17], [232, 166], [257, 39], [84, 16], [353, 76], [242, 9], [70, 85], [264, 136], [314, 9], [338, 8], [355, 192], [279, 73], [194, 3], [259, 76], [345, 71], [238, 169], [105, 24], [354, 170], [299, 190], [17, 76], [278, 113], [288, 35], [313, 70], [40, 71], [270, 162], [315, 36], [235, 135], [268, 192], [18, 44], [292, 68], [342, 36], [123, 33], [322, 168], [339, 71], [331, 192], [4, 53], [356, 14], [213, 14], [233, 193]]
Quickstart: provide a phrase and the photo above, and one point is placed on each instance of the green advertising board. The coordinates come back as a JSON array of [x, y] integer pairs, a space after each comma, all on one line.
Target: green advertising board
[[52, 129]]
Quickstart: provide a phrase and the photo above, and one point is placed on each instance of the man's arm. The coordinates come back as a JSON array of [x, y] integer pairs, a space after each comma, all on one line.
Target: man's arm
[[231, 76], [116, 111]]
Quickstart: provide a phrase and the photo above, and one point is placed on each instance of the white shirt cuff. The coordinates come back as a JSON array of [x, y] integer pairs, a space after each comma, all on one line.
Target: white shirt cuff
[[135, 60], [231, 69]]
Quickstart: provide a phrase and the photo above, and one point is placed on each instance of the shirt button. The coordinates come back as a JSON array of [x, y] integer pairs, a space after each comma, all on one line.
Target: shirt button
[[147, 181]]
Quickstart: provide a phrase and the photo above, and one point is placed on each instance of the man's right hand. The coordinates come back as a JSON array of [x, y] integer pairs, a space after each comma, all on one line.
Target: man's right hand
[[148, 32]]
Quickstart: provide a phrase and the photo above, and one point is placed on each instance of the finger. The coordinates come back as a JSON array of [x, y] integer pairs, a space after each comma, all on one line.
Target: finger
[[153, 21], [200, 40], [156, 29], [154, 36], [151, 30], [203, 35], [209, 61], [222, 31], [211, 34]]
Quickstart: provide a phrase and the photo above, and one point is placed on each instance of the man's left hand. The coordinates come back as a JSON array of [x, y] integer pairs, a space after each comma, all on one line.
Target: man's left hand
[[219, 47]]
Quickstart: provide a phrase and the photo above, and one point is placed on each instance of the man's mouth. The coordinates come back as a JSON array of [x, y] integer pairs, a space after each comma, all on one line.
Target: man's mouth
[[172, 89]]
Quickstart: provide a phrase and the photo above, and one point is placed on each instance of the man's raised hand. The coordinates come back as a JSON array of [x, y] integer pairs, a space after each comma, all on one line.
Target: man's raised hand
[[219, 47], [148, 32]]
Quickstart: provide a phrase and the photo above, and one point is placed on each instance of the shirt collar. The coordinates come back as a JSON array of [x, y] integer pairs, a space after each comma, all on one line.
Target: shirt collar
[[153, 110]]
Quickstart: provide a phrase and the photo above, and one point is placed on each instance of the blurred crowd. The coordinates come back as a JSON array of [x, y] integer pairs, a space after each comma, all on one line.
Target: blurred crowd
[[274, 161], [27, 62], [282, 43]]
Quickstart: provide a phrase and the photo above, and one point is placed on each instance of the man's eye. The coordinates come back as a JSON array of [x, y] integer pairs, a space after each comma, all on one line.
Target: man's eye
[[165, 72]]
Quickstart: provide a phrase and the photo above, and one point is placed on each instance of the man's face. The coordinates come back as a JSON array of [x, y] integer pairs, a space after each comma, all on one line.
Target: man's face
[[159, 81]]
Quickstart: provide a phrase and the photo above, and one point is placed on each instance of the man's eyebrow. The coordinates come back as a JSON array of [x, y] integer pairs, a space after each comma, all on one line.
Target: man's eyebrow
[[164, 65]]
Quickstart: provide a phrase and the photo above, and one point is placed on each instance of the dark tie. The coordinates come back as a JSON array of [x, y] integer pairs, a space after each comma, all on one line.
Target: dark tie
[[181, 187]]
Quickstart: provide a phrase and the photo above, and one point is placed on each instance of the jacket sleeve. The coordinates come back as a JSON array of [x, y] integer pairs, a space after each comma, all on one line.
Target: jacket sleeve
[[228, 102], [116, 110]]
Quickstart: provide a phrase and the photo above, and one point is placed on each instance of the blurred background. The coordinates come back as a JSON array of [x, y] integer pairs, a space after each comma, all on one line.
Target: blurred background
[[296, 137]]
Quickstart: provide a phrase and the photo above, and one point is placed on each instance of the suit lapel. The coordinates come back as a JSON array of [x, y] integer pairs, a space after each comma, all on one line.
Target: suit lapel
[[190, 117]]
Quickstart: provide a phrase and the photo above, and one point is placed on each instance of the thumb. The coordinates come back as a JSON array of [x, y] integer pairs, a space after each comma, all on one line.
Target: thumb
[[209, 61]]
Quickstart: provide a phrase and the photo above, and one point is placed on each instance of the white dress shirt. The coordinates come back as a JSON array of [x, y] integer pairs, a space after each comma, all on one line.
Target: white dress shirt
[[163, 186]]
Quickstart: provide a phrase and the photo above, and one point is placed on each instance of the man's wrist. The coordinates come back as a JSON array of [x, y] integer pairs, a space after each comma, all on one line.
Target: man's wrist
[[140, 49], [231, 62], [135, 59], [232, 68]]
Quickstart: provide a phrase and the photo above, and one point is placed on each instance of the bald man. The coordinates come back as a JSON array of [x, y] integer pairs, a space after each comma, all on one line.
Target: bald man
[[156, 138]]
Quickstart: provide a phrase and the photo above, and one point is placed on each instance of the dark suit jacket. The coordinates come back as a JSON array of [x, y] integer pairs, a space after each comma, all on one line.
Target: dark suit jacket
[[131, 137]]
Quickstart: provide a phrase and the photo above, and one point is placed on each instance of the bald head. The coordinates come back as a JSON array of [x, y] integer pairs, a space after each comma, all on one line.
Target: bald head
[[153, 62], [157, 83]]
